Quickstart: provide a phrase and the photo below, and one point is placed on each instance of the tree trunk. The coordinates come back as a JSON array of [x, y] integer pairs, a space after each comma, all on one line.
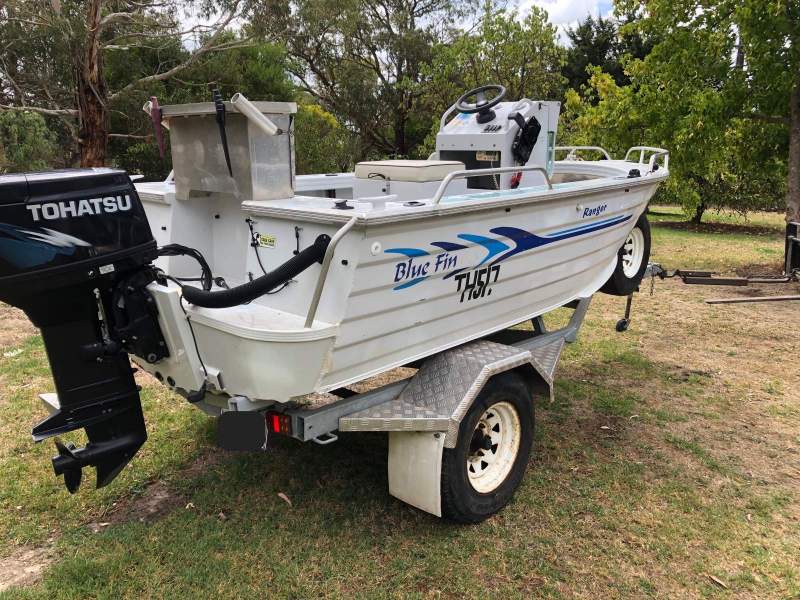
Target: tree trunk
[[793, 177], [400, 141], [92, 93], [697, 218]]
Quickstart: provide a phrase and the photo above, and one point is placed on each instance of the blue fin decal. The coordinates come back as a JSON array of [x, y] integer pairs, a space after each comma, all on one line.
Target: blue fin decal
[[448, 246], [409, 252], [492, 245]]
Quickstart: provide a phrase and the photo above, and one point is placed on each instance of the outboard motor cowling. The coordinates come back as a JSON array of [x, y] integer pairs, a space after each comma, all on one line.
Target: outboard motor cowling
[[75, 254]]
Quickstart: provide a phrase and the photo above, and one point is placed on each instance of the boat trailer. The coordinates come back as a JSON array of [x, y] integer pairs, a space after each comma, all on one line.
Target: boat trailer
[[422, 413]]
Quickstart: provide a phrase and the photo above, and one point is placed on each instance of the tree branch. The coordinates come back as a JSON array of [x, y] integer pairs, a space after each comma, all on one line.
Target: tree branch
[[208, 46], [18, 91], [52, 112], [131, 136]]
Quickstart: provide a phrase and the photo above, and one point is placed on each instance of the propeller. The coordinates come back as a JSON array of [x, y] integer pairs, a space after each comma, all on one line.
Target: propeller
[[67, 464]]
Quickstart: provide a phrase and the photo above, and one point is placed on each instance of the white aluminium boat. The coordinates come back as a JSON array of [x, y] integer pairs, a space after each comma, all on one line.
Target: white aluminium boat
[[424, 255], [309, 284]]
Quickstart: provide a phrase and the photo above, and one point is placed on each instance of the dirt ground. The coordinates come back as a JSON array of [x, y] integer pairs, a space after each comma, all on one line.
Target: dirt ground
[[24, 567], [14, 327]]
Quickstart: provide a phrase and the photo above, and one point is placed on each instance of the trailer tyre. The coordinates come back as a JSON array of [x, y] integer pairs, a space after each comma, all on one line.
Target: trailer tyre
[[632, 261], [481, 474]]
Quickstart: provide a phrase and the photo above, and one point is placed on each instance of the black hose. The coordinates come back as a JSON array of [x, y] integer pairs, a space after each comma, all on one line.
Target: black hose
[[206, 278], [251, 290]]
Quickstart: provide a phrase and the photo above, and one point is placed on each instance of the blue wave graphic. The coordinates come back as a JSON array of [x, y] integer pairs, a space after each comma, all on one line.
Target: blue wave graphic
[[448, 246], [526, 240], [523, 241], [492, 245], [409, 252], [587, 226], [24, 251], [455, 272]]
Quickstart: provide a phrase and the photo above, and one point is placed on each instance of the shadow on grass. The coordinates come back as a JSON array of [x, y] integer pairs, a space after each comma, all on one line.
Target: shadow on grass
[[724, 228], [660, 213]]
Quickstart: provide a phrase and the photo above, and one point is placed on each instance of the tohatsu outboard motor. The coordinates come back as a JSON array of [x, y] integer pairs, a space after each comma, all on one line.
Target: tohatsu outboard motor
[[75, 254]]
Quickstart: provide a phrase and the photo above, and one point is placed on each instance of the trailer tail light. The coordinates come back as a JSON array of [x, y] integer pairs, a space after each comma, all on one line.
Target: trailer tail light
[[279, 423]]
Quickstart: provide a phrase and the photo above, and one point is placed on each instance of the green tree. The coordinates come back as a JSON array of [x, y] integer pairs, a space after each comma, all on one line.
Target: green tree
[[257, 71], [604, 43], [362, 61], [593, 42], [521, 54], [55, 55], [720, 65], [322, 144], [26, 142], [690, 121]]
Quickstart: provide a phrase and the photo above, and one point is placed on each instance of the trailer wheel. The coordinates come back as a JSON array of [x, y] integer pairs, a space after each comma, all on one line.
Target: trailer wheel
[[481, 474], [631, 261]]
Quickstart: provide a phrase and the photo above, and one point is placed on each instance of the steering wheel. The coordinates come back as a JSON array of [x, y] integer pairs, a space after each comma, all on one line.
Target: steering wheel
[[481, 104]]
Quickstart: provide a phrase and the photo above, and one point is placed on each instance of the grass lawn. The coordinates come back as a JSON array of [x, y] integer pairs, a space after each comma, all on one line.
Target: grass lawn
[[667, 466]]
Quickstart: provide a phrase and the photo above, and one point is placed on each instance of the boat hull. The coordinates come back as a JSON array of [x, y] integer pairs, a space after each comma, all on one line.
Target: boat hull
[[463, 276], [403, 284]]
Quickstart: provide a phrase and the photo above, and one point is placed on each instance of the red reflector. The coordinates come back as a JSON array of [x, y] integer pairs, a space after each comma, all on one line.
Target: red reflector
[[278, 423]]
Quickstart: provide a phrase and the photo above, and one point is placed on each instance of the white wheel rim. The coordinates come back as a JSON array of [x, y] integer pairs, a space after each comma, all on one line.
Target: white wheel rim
[[488, 467], [633, 253]]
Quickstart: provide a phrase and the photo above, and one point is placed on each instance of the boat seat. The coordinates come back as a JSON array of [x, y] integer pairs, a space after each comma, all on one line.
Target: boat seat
[[417, 171]]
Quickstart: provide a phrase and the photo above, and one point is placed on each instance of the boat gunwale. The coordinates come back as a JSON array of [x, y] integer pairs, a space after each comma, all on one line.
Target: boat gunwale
[[314, 215]]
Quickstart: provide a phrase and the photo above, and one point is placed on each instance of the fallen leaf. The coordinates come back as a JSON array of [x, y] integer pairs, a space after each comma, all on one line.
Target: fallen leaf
[[222, 516], [285, 498], [190, 505], [718, 581]]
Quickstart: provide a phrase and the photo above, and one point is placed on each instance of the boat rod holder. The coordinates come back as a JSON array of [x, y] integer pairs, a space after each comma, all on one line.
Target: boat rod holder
[[256, 117], [476, 172]]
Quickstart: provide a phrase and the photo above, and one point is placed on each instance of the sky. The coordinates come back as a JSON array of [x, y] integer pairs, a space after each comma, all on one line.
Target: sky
[[562, 13], [567, 13]]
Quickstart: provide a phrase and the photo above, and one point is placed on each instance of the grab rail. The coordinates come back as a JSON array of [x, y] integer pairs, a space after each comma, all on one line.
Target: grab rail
[[572, 150], [657, 152], [323, 274], [475, 172]]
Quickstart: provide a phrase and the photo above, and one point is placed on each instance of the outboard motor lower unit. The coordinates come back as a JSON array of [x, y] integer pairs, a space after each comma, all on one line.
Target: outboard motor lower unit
[[75, 254]]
